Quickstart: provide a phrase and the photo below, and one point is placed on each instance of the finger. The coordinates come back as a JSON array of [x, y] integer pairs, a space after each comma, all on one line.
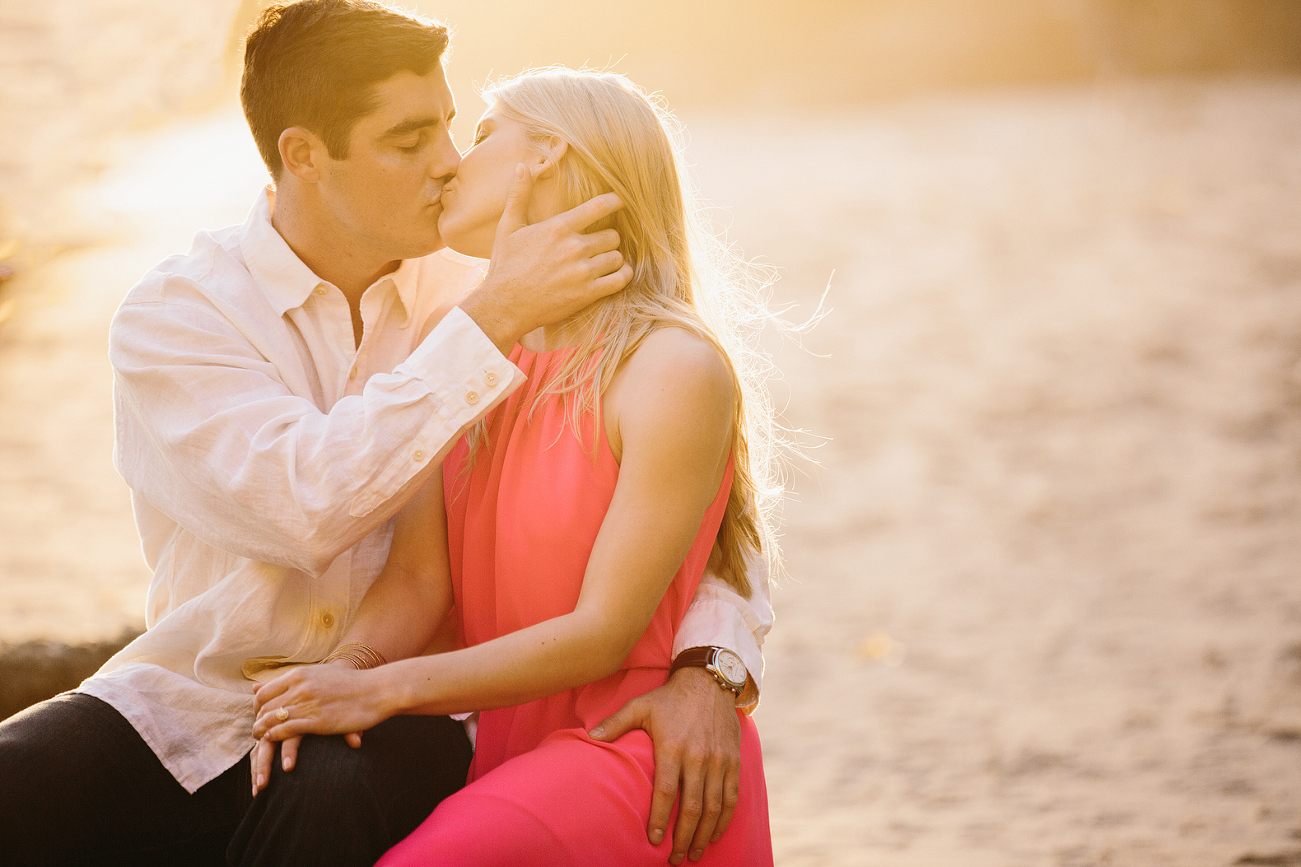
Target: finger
[[284, 731], [516, 215], [625, 720], [690, 806], [270, 691], [664, 793], [289, 752], [353, 739], [712, 808], [731, 795], [601, 242], [267, 715], [252, 766], [265, 720], [263, 754], [606, 263], [612, 283], [589, 212]]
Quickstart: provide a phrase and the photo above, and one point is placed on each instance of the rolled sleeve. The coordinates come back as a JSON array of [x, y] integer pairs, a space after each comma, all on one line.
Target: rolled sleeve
[[721, 617]]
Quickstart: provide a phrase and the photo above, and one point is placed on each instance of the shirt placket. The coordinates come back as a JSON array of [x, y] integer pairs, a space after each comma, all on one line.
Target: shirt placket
[[328, 614]]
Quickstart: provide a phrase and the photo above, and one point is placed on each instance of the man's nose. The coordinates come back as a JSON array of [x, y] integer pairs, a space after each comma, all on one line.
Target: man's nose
[[446, 158]]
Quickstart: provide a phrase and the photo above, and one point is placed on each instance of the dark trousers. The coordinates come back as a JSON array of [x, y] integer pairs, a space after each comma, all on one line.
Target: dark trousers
[[79, 786]]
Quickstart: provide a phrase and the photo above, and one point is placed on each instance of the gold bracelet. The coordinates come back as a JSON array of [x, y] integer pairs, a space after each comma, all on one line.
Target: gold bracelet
[[362, 656]]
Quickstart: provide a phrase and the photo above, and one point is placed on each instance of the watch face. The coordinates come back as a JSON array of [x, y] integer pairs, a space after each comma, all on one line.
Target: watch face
[[731, 667]]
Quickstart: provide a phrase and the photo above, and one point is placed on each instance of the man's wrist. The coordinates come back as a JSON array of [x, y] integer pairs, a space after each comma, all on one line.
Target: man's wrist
[[724, 667], [496, 324]]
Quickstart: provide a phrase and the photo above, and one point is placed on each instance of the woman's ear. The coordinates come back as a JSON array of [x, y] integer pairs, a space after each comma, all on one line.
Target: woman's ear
[[549, 160]]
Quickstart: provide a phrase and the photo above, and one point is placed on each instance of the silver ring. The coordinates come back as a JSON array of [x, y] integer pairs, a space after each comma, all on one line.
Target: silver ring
[[282, 714]]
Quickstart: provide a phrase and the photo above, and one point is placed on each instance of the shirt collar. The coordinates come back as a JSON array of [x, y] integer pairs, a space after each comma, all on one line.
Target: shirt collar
[[286, 279], [283, 277], [405, 279]]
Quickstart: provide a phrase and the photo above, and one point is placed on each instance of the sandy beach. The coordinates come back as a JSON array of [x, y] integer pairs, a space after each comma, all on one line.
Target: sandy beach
[[1043, 602]]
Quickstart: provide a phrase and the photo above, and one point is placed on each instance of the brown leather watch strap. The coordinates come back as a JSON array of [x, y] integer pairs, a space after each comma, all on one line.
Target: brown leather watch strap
[[702, 657], [693, 657]]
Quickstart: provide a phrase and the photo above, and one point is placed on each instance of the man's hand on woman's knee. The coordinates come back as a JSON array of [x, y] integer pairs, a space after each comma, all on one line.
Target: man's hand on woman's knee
[[697, 736]]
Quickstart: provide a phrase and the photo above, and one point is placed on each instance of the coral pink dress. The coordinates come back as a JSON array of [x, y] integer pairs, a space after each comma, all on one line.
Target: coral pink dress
[[521, 526]]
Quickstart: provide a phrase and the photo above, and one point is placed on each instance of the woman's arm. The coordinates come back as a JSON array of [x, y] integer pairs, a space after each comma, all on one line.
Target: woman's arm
[[401, 611], [670, 414]]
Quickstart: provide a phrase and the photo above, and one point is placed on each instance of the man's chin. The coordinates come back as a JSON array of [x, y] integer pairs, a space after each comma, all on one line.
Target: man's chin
[[429, 242]]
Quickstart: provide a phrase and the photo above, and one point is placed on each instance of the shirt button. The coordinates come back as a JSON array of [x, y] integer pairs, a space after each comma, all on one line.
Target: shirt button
[[327, 620], [320, 290], [418, 455], [472, 397], [490, 378]]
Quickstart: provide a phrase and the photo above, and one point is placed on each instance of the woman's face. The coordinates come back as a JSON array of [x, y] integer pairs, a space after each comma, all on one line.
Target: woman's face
[[474, 200]]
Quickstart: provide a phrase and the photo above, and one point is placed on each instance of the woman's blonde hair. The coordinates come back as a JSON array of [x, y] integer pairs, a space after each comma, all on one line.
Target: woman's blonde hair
[[620, 139]]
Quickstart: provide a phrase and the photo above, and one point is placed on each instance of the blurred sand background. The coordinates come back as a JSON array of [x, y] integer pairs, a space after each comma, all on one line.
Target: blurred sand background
[[1044, 602]]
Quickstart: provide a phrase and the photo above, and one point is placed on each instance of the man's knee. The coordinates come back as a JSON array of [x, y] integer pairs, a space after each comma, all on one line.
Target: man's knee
[[327, 774], [403, 759], [348, 806]]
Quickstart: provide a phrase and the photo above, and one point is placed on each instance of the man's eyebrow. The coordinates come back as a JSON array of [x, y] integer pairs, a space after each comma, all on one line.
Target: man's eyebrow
[[414, 124]]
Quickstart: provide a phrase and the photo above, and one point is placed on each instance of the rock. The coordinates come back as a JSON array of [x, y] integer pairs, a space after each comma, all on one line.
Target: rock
[[36, 670]]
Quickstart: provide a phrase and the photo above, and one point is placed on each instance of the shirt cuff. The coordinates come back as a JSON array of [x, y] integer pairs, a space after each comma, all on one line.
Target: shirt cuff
[[461, 370], [714, 622]]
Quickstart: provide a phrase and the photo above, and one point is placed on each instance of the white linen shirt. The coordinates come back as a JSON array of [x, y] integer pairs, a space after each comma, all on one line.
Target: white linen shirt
[[266, 455]]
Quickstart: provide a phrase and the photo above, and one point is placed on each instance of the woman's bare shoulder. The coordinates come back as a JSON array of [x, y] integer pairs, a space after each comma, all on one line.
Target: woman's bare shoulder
[[673, 374], [679, 358]]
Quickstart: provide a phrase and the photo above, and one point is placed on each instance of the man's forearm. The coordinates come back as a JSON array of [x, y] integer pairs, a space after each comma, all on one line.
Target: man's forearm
[[263, 473]]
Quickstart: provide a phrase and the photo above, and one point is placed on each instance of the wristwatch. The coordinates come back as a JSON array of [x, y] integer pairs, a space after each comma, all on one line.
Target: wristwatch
[[726, 667]]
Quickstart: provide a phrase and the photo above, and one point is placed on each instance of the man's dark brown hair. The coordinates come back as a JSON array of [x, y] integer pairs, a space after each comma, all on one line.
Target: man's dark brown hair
[[316, 63]]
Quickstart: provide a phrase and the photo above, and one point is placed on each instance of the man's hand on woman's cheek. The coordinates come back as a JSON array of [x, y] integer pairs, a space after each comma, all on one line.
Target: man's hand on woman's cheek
[[543, 273], [697, 736]]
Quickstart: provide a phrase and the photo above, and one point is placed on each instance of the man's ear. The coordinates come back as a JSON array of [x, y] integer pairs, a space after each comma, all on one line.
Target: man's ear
[[549, 159], [302, 152]]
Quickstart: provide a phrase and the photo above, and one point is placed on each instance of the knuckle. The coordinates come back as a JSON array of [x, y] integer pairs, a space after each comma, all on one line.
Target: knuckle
[[668, 790]]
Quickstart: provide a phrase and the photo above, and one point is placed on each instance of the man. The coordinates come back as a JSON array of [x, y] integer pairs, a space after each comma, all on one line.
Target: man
[[281, 391]]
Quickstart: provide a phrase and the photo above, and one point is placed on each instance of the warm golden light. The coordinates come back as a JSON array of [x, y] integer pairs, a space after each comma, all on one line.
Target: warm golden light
[[1043, 597]]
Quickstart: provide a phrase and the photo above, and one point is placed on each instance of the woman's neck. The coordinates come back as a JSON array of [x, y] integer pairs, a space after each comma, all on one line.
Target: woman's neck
[[565, 333]]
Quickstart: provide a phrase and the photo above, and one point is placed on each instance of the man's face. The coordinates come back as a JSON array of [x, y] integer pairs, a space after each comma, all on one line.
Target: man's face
[[384, 195]]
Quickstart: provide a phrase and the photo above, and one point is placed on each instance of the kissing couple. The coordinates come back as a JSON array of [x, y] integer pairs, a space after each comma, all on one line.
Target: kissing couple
[[453, 562]]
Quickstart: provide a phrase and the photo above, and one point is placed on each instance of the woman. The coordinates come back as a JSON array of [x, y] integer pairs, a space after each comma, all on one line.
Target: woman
[[572, 526]]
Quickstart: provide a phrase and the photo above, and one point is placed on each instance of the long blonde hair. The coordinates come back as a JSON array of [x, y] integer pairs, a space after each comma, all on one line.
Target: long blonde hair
[[620, 139]]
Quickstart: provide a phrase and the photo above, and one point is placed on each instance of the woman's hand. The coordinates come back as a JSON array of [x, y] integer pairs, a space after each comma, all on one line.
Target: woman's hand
[[265, 752], [320, 699]]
